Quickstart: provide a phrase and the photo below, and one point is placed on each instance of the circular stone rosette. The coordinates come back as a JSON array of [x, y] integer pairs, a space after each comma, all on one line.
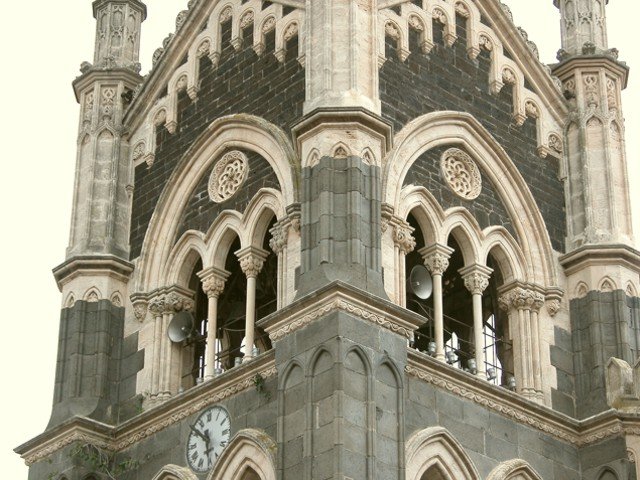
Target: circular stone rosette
[[461, 174], [228, 175]]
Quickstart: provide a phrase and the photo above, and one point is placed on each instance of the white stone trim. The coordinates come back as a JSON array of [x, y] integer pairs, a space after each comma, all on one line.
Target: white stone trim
[[240, 131], [516, 469], [249, 448], [436, 447], [206, 42], [447, 128], [527, 103], [175, 472]]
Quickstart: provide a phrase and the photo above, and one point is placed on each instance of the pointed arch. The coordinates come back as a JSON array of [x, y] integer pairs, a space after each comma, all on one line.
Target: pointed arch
[[186, 253], [265, 205], [435, 447], [174, 472], [607, 284], [93, 294], [461, 225], [514, 470], [239, 131], [505, 250], [249, 450], [462, 129], [581, 290]]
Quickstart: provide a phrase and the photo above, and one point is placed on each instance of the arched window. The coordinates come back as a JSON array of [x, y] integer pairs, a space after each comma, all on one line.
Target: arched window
[[459, 325]]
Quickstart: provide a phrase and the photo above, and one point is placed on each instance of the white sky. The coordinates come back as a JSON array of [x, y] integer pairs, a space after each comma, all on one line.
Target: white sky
[[43, 44]]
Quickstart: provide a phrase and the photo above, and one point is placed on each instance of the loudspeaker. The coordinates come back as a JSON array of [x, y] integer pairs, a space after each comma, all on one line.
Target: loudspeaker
[[420, 283], [181, 327]]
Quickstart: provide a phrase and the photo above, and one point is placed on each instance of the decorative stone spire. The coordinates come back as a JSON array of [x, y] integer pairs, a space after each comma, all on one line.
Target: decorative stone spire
[[584, 26], [100, 218], [118, 33]]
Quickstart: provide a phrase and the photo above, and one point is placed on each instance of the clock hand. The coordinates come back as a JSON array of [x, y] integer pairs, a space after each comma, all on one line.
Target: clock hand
[[199, 433]]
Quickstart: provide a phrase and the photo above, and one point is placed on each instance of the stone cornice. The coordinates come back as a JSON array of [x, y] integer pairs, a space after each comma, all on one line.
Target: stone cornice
[[325, 117], [96, 74], [150, 422], [595, 62], [341, 297], [517, 408], [92, 265], [601, 255]]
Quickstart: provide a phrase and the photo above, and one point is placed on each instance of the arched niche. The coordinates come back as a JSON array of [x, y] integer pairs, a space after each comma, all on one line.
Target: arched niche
[[249, 456], [516, 469], [435, 450], [174, 472]]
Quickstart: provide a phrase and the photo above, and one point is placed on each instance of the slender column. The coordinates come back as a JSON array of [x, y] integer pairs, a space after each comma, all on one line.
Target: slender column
[[436, 259], [476, 279], [278, 243], [213, 281], [174, 303], [525, 304], [251, 261], [404, 243], [156, 307]]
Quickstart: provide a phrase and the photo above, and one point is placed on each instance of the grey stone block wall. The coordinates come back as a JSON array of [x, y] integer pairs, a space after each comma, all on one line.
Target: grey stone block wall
[[342, 400], [600, 324], [341, 225], [90, 367]]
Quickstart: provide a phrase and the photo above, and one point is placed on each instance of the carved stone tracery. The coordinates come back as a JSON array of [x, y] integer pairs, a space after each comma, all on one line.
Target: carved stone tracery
[[403, 239], [228, 175], [461, 174]]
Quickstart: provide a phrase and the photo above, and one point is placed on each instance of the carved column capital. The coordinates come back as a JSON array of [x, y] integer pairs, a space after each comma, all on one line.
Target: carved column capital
[[436, 258], [213, 281], [252, 260], [176, 302], [157, 305], [403, 238], [521, 298], [476, 278], [279, 236]]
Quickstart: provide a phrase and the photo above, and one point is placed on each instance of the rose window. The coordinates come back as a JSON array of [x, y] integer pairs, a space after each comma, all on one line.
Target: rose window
[[228, 175], [461, 174]]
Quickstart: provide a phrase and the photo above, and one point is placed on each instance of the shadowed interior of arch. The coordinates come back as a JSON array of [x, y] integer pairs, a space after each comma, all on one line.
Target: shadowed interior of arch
[[433, 473], [458, 315], [250, 474]]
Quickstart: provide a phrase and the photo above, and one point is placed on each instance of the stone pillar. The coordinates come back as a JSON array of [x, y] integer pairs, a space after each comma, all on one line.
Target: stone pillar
[[251, 261], [174, 302], [342, 58], [598, 202], [404, 243], [476, 280], [523, 306], [436, 259], [213, 281], [278, 243], [156, 308], [584, 25]]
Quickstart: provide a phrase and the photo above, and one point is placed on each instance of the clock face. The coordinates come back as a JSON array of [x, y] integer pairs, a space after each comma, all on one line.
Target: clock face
[[208, 436]]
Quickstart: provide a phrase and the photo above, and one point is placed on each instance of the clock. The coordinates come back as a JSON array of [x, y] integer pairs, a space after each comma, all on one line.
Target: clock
[[208, 436]]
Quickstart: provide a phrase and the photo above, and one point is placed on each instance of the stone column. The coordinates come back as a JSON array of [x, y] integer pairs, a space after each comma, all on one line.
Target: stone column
[[278, 243], [251, 261], [404, 243], [156, 307], [213, 281], [523, 305], [476, 280], [436, 259], [342, 59], [174, 303]]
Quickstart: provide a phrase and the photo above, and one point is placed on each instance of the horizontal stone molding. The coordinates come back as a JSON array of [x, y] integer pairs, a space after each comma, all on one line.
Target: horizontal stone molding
[[511, 405], [340, 297], [118, 438]]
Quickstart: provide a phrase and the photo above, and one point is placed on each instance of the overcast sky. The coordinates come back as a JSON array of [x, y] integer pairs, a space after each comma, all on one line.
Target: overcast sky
[[43, 44]]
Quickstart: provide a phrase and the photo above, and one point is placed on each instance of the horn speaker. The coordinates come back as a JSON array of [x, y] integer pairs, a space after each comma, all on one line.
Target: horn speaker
[[420, 283], [181, 327]]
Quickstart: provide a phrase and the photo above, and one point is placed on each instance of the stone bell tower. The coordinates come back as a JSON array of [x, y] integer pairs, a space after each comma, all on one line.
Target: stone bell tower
[[93, 279], [601, 262]]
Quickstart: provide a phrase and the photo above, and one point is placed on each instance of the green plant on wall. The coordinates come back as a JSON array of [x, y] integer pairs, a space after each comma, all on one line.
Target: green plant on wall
[[100, 461], [261, 386]]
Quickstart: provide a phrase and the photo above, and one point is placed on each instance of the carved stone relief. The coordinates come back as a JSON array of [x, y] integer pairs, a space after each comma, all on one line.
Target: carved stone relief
[[228, 175], [461, 174]]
